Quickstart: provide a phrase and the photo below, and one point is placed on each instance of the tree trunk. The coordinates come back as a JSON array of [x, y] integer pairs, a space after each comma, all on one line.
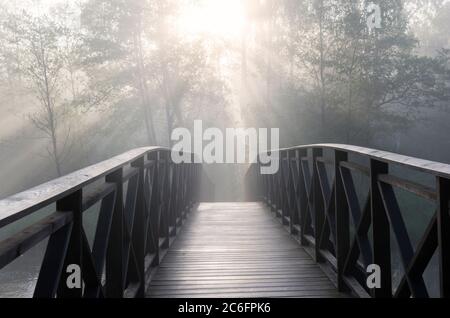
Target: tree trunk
[[51, 114], [55, 154]]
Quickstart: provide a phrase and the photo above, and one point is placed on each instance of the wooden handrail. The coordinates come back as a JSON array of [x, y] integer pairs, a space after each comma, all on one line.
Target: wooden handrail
[[26, 202], [433, 167], [319, 213], [134, 228]]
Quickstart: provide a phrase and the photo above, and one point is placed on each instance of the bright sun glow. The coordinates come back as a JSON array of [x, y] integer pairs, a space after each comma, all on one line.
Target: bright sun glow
[[220, 18]]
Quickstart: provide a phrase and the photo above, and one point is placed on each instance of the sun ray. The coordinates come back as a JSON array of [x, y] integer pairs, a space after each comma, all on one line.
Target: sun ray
[[217, 18]]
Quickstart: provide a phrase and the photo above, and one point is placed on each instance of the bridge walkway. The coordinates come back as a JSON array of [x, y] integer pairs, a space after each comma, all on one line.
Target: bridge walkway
[[237, 250]]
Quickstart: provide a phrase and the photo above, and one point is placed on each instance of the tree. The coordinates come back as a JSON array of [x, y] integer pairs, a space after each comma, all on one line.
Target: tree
[[116, 51], [39, 58], [347, 82], [146, 58]]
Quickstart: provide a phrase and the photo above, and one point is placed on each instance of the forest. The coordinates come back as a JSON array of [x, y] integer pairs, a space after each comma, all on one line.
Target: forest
[[83, 80]]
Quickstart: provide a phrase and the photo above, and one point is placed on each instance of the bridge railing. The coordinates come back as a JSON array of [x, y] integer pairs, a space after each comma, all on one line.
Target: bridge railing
[[143, 198], [343, 204]]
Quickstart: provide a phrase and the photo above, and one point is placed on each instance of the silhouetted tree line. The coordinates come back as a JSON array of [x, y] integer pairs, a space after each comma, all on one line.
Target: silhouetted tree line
[[119, 71], [328, 77], [120, 61]]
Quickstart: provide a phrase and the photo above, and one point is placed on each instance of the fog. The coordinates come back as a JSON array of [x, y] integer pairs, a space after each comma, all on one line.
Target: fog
[[84, 80], [122, 74]]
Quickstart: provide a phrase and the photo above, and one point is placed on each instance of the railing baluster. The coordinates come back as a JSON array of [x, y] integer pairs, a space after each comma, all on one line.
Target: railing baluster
[[293, 192], [342, 220], [126, 244], [114, 258], [443, 223], [381, 247], [53, 263], [284, 205], [318, 204], [303, 197], [72, 203], [173, 195], [138, 234], [299, 196], [164, 232], [266, 186], [154, 211]]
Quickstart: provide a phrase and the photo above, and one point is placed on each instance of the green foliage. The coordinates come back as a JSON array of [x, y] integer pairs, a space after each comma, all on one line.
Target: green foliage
[[355, 82]]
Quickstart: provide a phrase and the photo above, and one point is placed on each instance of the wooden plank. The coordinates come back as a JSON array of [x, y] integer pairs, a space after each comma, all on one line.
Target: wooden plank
[[267, 294], [29, 201], [244, 289], [237, 282], [17, 245], [95, 195], [410, 186], [355, 167], [237, 250], [433, 167]]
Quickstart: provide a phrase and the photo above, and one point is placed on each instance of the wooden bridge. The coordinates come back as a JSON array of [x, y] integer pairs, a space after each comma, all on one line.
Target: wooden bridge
[[310, 230]]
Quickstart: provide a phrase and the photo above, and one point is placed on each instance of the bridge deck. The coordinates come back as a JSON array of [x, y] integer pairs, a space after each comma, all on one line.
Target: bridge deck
[[237, 250]]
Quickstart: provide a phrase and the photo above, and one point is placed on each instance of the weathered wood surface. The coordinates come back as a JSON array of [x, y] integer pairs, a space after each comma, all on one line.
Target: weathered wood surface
[[427, 166], [24, 203], [237, 250]]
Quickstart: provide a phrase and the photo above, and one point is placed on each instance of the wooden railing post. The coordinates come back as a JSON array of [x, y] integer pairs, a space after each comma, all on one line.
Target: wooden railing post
[[188, 187], [196, 180], [177, 188], [138, 234], [295, 210], [270, 184], [73, 204], [165, 217], [342, 220], [258, 183], [318, 206], [265, 184], [261, 181], [170, 196], [155, 213], [381, 248], [273, 187], [185, 191], [53, 263], [173, 198], [276, 191], [114, 257], [284, 197], [193, 184], [303, 198], [126, 244], [443, 223]]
